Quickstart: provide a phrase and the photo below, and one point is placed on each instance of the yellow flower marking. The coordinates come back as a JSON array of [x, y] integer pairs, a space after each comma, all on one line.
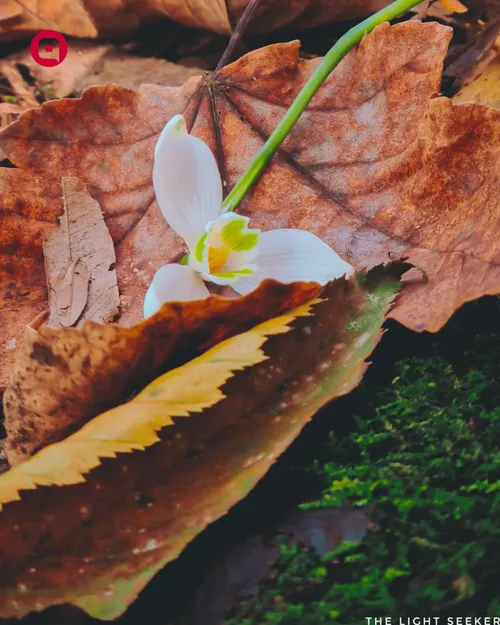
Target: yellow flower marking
[[217, 256]]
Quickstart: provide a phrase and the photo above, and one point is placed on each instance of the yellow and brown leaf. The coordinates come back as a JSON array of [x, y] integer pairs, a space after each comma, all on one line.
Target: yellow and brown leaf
[[98, 539]]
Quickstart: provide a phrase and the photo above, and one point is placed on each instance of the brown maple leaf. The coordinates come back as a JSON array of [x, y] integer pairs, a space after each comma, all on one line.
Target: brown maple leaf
[[375, 166]]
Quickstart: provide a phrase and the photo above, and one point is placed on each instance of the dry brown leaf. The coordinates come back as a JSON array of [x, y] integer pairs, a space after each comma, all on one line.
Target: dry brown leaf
[[21, 18], [97, 543], [275, 14], [9, 9], [63, 377], [80, 262], [375, 167], [88, 18], [29, 207], [131, 71]]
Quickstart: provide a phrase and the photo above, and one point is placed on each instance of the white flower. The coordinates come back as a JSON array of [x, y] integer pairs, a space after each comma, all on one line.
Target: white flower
[[222, 249]]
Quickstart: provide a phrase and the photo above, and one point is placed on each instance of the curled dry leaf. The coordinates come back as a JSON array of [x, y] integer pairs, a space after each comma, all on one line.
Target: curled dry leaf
[[62, 378], [79, 262], [96, 541], [375, 166]]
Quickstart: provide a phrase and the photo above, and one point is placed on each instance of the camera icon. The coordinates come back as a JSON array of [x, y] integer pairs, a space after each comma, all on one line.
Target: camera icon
[[44, 42]]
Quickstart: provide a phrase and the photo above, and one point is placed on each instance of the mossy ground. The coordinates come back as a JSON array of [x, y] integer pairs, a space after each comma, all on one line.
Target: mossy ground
[[422, 448]]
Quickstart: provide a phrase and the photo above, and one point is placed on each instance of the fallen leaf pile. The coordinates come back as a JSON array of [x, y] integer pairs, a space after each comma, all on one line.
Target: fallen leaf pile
[[127, 439], [133, 514], [377, 167], [91, 18]]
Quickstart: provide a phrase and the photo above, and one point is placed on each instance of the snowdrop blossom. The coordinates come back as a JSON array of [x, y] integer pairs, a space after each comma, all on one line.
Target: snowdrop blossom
[[222, 248]]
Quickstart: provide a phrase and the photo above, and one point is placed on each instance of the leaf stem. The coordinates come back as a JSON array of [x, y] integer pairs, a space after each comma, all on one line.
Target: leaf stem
[[328, 64]]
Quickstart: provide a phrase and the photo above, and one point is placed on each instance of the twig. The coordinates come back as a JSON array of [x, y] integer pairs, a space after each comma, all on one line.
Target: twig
[[237, 34], [328, 64], [421, 14]]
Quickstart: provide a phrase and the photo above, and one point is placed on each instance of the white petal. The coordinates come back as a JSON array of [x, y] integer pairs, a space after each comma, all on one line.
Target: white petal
[[173, 283], [291, 255], [187, 183], [175, 127]]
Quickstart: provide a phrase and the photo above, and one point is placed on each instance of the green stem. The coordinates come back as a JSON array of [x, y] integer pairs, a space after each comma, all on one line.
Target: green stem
[[328, 64]]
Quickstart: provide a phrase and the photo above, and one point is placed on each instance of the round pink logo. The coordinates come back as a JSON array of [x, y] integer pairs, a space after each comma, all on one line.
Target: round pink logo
[[36, 47]]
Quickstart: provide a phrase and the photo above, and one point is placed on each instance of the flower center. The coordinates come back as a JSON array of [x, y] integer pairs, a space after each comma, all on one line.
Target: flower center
[[217, 256], [225, 251]]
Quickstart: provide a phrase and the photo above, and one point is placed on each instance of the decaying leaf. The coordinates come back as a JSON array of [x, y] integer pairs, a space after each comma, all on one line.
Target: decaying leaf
[[29, 207], [375, 167], [79, 262], [76, 544], [62, 378]]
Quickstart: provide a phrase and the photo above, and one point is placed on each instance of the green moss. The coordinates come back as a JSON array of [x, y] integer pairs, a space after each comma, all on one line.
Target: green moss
[[424, 450]]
